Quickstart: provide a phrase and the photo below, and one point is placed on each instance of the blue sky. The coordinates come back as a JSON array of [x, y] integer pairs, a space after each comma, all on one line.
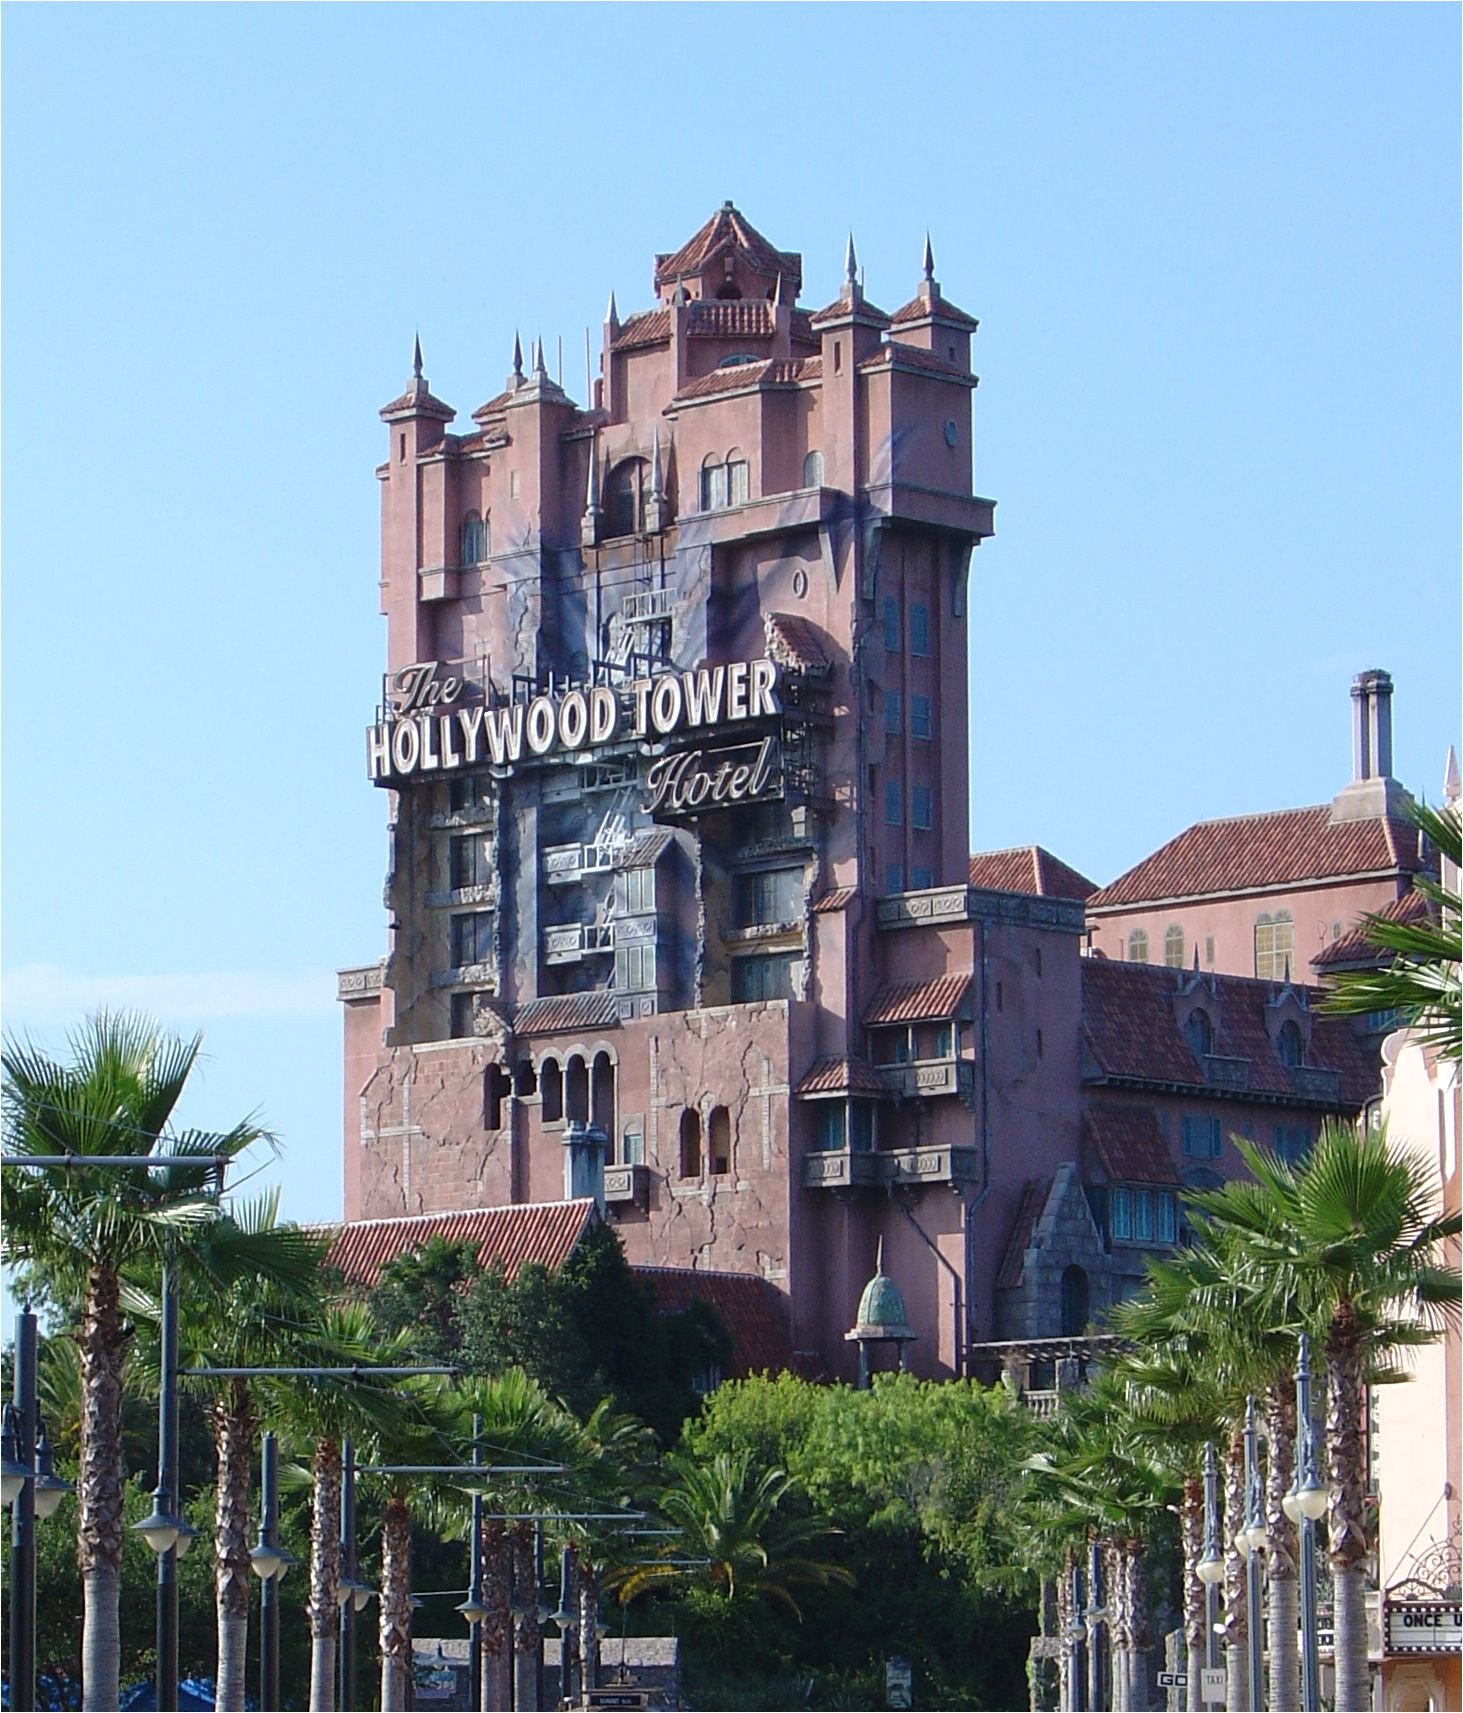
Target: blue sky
[[1214, 250]]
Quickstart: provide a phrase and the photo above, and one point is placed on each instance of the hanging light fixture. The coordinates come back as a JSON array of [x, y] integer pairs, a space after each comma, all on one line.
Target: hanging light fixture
[[50, 1488]]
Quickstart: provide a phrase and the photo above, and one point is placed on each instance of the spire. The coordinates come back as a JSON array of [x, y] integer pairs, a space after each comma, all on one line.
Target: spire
[[657, 485], [656, 509], [1196, 957], [879, 1252], [1451, 782], [589, 523], [416, 359], [850, 270], [929, 260], [612, 315], [516, 378], [539, 371]]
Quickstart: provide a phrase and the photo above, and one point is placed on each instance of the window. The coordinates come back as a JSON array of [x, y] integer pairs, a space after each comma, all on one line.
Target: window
[[894, 804], [1137, 947], [718, 1134], [893, 711], [894, 877], [634, 969], [945, 1041], [725, 482], [1120, 1211], [469, 862], [738, 479], [831, 1131], [773, 895], [1167, 1210], [576, 1090], [468, 791], [464, 1016], [551, 1082], [921, 717], [1075, 1312], [1209, 950], [1173, 947], [919, 628], [921, 878], [690, 1160], [632, 1147], [1289, 1043], [1199, 1033], [891, 624], [1274, 942], [1203, 1138], [472, 540], [713, 486], [1292, 1142], [861, 1125], [922, 808], [625, 507], [1143, 1215], [755, 979], [472, 938], [525, 1079], [637, 891], [497, 1086], [813, 470]]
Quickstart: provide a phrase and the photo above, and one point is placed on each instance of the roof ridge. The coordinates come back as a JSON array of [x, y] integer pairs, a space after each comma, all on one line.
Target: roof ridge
[[464, 1212]]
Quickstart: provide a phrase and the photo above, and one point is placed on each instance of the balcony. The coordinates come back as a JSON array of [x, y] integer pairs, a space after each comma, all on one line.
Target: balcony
[[1233, 1074], [565, 864], [363, 982], [1311, 1082], [627, 1186], [840, 1168], [937, 1164], [923, 1079], [646, 608], [575, 940]]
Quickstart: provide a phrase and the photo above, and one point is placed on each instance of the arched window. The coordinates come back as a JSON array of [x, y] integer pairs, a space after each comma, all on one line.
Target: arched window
[[713, 483], [718, 1132], [473, 545], [1075, 1303], [1199, 1033], [625, 500], [813, 470], [497, 1086], [738, 478], [1274, 942], [1173, 947], [551, 1081], [602, 1093], [1290, 1043], [576, 1090], [1137, 947], [525, 1079], [725, 481], [690, 1162]]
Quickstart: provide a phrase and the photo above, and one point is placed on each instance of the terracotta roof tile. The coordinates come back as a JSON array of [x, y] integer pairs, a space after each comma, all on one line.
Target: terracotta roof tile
[[650, 327], [841, 1076], [1130, 1028], [750, 318], [1013, 1259], [918, 1001], [1031, 869], [842, 306], [752, 1308], [1355, 947], [417, 404], [773, 372], [802, 328], [567, 1011], [838, 898], [897, 356], [923, 308], [728, 229], [1250, 852], [494, 407], [546, 1232], [795, 643], [1129, 1145]]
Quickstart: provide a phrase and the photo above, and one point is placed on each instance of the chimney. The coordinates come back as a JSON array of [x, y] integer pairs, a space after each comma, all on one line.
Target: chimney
[[1373, 790]]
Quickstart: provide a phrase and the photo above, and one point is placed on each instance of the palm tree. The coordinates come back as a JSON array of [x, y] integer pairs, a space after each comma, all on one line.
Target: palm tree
[[1421, 981], [76, 1228], [1347, 1242]]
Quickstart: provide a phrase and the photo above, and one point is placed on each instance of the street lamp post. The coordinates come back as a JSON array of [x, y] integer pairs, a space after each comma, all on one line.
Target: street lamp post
[[1211, 1567], [1250, 1540], [473, 1608], [167, 1499], [22, 1455], [1304, 1504], [268, 1562], [1095, 1615]]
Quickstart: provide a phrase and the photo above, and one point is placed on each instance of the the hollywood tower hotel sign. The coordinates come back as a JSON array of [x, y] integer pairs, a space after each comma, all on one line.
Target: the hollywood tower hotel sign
[[437, 721]]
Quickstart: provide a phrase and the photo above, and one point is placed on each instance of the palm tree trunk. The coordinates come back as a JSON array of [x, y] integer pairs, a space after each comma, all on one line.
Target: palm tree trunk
[[1346, 1522], [589, 1625], [324, 1608], [498, 1624], [1191, 1533], [1237, 1629], [527, 1632], [1282, 1547], [99, 1490], [395, 1623], [1117, 1631], [234, 1422]]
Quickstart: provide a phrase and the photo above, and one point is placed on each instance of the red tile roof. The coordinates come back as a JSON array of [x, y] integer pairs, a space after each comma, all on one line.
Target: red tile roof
[[895, 355], [841, 1076], [417, 403], [750, 318], [1013, 1258], [494, 407], [923, 308], [774, 372], [546, 1232], [752, 1308], [1031, 869], [918, 1001], [796, 644], [650, 327], [842, 307], [729, 229], [1355, 947], [1131, 1031], [1252, 852], [567, 1011], [1129, 1145], [838, 898]]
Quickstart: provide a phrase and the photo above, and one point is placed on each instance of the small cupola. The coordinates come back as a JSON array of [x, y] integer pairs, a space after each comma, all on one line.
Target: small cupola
[[881, 1319]]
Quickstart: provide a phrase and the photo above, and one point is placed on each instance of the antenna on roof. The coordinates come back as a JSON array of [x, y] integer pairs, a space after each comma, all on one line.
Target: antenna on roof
[[588, 373], [561, 359]]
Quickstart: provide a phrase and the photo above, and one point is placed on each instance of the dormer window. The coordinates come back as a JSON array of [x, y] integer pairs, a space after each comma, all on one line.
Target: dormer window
[[472, 540], [1290, 1044], [625, 507], [1199, 1033]]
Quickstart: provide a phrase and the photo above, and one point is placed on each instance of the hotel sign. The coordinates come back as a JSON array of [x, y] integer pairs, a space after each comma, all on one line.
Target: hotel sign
[[430, 729], [1424, 1626]]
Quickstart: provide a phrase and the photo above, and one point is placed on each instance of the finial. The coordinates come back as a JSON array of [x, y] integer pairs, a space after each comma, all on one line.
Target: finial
[[850, 264], [1451, 782], [1196, 957], [416, 358], [517, 356], [1287, 971], [612, 314], [879, 1255], [539, 371], [929, 261]]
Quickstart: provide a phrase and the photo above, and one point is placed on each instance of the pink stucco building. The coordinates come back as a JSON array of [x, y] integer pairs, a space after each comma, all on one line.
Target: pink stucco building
[[673, 733]]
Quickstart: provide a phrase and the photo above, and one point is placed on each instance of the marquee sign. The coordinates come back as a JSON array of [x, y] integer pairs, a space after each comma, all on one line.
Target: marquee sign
[[426, 731], [1423, 1626]]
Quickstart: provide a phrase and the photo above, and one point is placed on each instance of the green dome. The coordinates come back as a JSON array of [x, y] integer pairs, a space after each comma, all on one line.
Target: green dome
[[881, 1311]]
